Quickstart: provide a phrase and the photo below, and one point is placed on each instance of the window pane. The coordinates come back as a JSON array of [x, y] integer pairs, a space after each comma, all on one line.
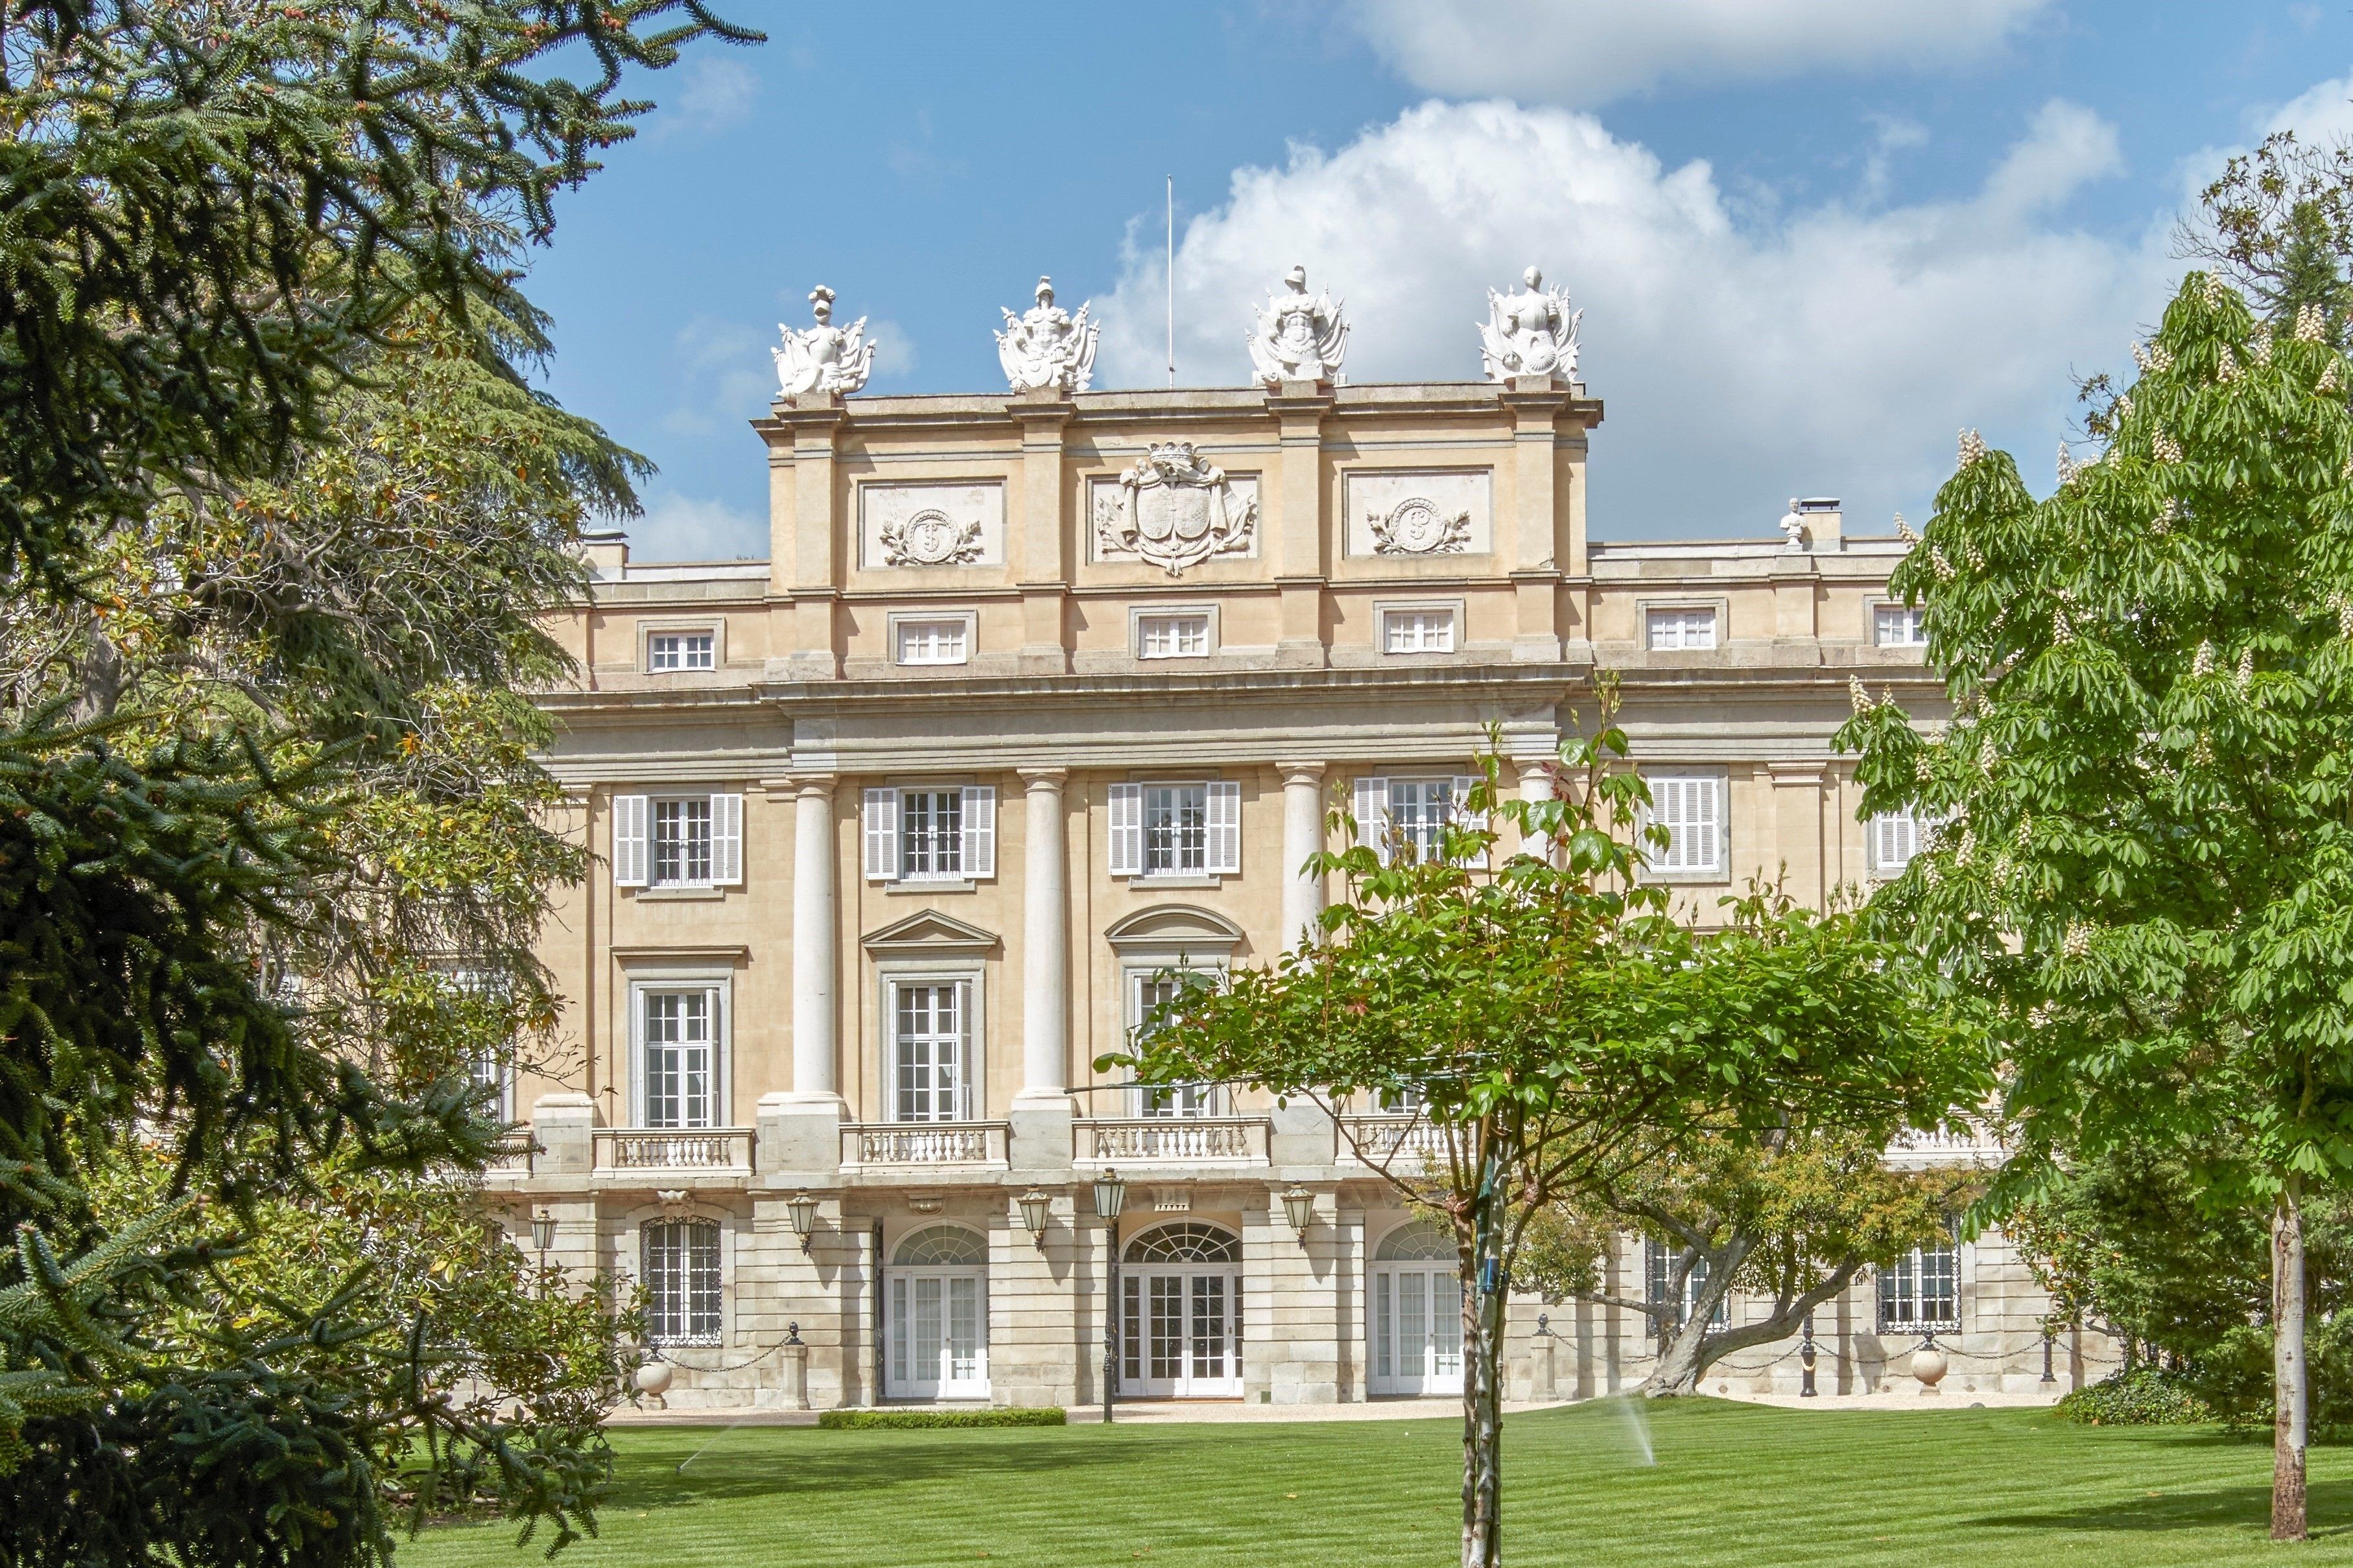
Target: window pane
[[932, 642], [929, 1026], [1173, 637], [930, 834], [681, 836], [1176, 828]]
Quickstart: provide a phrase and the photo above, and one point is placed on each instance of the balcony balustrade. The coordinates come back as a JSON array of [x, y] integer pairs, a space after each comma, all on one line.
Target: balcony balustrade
[[1170, 1140], [674, 1149], [511, 1155], [1394, 1140], [867, 1144]]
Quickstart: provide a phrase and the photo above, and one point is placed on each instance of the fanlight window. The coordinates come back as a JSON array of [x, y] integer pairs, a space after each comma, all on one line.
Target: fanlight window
[[1423, 1239], [942, 1247], [1184, 1242]]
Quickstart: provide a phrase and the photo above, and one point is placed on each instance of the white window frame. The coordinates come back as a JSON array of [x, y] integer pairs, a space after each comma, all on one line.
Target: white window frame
[[658, 627], [899, 1283], [882, 847], [1885, 831], [972, 1080], [900, 622], [719, 987], [1375, 806], [1140, 617], [662, 1334], [1129, 810], [1668, 865], [1386, 613], [1179, 1101], [633, 823], [1659, 1259], [685, 659], [493, 1068], [1908, 1274], [1672, 628], [1915, 618]]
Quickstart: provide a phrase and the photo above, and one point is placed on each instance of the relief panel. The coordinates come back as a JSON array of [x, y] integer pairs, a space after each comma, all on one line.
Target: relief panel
[[1422, 511], [931, 524]]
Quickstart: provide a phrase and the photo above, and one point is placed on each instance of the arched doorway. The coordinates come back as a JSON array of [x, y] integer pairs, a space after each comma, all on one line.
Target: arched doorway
[[1415, 1320], [1181, 1313], [935, 1311]]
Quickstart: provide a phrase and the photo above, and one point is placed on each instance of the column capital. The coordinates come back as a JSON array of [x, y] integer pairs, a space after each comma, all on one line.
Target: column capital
[[1301, 773], [1043, 779], [812, 786]]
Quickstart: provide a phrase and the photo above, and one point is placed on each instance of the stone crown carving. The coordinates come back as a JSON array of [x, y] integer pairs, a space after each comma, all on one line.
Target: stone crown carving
[[931, 538], [1531, 333], [1046, 346], [1416, 526], [1174, 510], [823, 357], [1298, 337]]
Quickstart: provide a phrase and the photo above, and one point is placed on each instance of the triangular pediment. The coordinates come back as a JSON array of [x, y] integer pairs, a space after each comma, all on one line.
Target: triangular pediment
[[929, 931]]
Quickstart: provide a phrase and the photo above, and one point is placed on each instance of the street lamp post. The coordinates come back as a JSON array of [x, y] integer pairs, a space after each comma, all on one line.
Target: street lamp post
[[2047, 1337], [1110, 1194], [1806, 1360], [543, 1236]]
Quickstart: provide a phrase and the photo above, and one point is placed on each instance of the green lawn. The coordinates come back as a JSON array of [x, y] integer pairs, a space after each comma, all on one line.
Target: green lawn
[[1732, 1484]]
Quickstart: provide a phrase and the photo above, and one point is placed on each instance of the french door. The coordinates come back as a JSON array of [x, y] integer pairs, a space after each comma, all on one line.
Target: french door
[[938, 1334], [1181, 1331], [1417, 1323]]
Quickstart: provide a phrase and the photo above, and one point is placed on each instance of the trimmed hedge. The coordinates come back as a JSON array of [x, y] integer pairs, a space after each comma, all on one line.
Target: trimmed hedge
[[854, 1420], [2144, 1396]]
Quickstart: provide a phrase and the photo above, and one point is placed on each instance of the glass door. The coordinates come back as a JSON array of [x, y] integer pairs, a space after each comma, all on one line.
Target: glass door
[[939, 1349], [1181, 1332], [1417, 1329]]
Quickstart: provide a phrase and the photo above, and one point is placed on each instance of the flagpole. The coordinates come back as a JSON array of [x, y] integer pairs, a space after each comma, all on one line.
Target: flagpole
[[1172, 282]]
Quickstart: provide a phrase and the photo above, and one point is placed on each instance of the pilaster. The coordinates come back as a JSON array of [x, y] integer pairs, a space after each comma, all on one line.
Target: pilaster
[[815, 421], [1297, 542], [1798, 830], [1535, 404], [1044, 562]]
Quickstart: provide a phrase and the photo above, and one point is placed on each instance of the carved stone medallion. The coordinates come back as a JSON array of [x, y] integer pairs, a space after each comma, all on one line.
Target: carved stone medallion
[[1416, 526], [931, 538], [1175, 510]]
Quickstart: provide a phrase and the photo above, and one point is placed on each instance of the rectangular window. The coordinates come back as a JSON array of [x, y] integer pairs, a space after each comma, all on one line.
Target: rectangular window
[[1661, 1260], [681, 650], [681, 1283], [487, 1074], [1894, 839], [934, 642], [1147, 992], [683, 842], [1900, 626], [930, 835], [1690, 807], [1173, 637], [931, 1040], [1176, 830], [1681, 629], [1418, 631], [1921, 1290], [680, 1037], [1420, 810]]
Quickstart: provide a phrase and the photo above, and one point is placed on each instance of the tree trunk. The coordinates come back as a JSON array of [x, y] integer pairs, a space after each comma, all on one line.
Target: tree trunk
[[1482, 1387], [2291, 1388]]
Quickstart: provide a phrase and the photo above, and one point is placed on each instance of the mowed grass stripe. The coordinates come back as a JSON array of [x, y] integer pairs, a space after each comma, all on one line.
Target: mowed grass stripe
[[1732, 1484]]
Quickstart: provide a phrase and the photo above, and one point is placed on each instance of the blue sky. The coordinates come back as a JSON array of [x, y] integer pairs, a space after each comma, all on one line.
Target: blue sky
[[1813, 238]]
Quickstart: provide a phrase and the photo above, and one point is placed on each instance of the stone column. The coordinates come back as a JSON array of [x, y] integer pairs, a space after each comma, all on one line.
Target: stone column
[[1536, 783], [1302, 834], [1045, 954], [815, 943]]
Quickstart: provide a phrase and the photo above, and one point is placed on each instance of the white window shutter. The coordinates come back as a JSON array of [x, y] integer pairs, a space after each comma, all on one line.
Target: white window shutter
[[882, 834], [1126, 830], [1707, 825], [968, 1070], [1471, 821], [1225, 828], [727, 840], [980, 830], [628, 841], [1373, 815]]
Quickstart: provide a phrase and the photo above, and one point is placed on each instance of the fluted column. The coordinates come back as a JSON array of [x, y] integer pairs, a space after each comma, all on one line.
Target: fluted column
[[1045, 952], [815, 940], [1303, 836]]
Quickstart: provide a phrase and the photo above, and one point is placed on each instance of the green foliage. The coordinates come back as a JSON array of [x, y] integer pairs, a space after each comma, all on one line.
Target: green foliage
[[925, 1420], [2137, 1397]]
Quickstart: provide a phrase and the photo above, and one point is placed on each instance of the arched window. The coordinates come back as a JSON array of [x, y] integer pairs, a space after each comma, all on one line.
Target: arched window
[[682, 1280], [1184, 1241], [941, 1245], [1424, 1240]]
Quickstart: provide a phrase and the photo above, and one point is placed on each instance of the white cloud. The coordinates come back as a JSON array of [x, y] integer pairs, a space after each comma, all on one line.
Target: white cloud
[[714, 92], [1744, 360], [1586, 54], [725, 373], [894, 351], [692, 528]]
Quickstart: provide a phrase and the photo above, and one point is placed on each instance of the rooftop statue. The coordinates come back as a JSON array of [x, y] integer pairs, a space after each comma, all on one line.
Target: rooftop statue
[[1297, 337], [823, 357], [1532, 333], [1046, 346]]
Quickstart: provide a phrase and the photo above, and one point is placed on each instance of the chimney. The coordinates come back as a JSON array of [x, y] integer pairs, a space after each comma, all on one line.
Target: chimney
[[607, 549], [1822, 519]]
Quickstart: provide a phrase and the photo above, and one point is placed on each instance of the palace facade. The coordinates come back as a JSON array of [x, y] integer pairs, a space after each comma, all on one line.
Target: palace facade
[[1042, 693]]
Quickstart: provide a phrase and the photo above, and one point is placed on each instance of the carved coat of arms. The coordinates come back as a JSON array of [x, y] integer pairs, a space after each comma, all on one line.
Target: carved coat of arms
[[931, 538], [1416, 526], [1175, 510]]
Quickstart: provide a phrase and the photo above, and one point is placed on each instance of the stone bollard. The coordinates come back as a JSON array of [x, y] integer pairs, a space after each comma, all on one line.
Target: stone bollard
[[795, 1355]]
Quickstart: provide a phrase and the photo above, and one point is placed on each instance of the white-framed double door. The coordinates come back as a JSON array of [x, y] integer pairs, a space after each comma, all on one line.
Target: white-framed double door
[[1417, 1328], [1181, 1330], [936, 1329]]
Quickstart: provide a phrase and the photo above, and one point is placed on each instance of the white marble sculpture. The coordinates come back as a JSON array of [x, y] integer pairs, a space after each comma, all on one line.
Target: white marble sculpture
[[1793, 527], [1298, 337], [1174, 510], [1532, 333], [1046, 346], [823, 357]]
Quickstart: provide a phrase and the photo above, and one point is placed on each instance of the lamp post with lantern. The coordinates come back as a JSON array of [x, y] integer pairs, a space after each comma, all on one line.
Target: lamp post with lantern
[[543, 1236], [1111, 1196]]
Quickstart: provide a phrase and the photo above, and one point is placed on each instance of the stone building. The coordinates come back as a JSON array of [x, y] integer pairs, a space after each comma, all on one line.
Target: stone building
[[1041, 693]]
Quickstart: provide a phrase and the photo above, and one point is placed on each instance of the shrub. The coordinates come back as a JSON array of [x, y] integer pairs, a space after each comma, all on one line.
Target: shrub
[[2144, 1396], [853, 1420]]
